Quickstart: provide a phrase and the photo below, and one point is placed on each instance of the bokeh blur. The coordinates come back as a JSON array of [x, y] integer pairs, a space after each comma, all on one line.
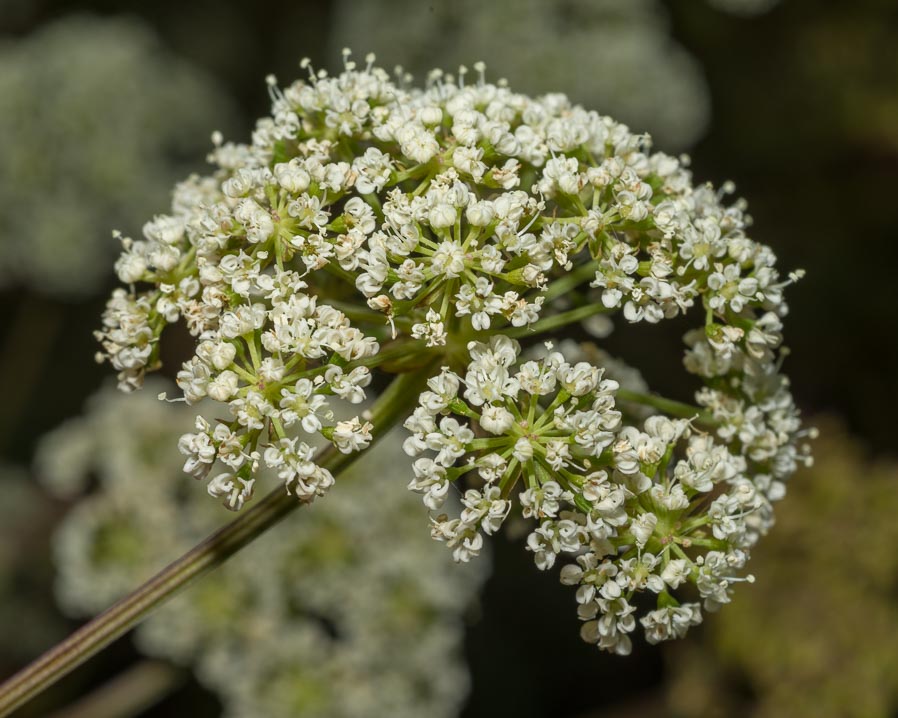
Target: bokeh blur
[[104, 104]]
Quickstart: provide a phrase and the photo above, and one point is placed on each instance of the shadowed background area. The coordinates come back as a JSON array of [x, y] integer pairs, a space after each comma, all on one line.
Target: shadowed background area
[[104, 105]]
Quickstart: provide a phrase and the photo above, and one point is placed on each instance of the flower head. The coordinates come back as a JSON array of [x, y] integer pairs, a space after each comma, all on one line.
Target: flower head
[[370, 226]]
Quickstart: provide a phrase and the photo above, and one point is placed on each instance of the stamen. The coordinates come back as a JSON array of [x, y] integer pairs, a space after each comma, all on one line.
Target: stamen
[[306, 64], [480, 69]]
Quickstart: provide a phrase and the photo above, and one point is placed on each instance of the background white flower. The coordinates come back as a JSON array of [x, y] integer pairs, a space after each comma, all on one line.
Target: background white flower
[[346, 611], [97, 120]]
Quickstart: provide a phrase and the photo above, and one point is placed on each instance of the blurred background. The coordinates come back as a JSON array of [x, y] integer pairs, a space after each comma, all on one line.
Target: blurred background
[[105, 104]]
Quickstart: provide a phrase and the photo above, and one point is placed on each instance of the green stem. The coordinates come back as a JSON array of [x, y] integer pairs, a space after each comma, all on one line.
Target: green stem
[[491, 443], [396, 350], [557, 320], [210, 553], [355, 314], [571, 280], [668, 406], [336, 270]]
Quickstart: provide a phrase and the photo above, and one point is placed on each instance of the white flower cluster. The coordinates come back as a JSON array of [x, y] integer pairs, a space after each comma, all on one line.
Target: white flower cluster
[[68, 170], [447, 221], [647, 508], [640, 509], [287, 388], [615, 56], [265, 347], [297, 624]]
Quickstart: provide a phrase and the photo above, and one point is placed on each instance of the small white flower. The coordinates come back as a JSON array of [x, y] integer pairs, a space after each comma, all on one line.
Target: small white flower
[[233, 491], [223, 386], [351, 436], [675, 572], [643, 527], [523, 450], [496, 419]]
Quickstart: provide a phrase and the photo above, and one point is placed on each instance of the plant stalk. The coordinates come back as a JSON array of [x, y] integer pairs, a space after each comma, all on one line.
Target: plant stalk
[[557, 321], [668, 406]]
